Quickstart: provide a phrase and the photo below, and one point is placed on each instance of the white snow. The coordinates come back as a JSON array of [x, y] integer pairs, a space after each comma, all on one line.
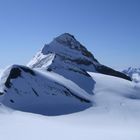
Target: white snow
[[136, 77], [114, 116], [116, 97], [41, 60]]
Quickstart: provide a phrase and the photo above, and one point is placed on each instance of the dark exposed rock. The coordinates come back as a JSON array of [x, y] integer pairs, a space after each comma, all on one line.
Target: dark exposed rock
[[28, 70], [35, 92], [82, 61], [68, 93], [108, 71], [49, 69], [5, 90], [78, 97], [12, 101], [77, 61], [79, 71], [14, 73], [1, 93]]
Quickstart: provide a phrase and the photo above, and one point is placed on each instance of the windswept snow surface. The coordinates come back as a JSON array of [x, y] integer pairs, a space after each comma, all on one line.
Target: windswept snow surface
[[115, 115], [18, 125], [116, 97]]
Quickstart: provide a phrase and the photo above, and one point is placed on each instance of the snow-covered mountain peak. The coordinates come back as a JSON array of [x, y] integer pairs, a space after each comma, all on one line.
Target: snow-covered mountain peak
[[67, 56], [66, 37], [134, 70], [134, 73], [66, 40], [68, 46]]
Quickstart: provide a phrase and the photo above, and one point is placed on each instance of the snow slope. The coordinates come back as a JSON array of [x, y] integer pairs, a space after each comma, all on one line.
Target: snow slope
[[41, 92], [114, 115], [116, 96], [18, 125]]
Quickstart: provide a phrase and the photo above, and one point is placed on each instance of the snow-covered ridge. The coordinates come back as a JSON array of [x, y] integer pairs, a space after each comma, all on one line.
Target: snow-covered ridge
[[65, 42], [41, 92]]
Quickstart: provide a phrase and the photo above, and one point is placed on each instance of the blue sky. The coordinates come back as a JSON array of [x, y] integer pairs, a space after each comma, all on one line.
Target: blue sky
[[108, 28]]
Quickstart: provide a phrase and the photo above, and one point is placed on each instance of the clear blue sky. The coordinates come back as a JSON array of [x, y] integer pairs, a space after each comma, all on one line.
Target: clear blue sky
[[108, 28]]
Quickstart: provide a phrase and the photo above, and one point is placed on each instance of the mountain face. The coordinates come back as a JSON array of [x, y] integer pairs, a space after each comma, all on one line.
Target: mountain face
[[134, 73], [66, 53], [31, 91], [56, 81]]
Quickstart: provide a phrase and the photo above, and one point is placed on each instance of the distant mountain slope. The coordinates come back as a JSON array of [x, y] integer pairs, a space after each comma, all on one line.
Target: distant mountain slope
[[134, 73]]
